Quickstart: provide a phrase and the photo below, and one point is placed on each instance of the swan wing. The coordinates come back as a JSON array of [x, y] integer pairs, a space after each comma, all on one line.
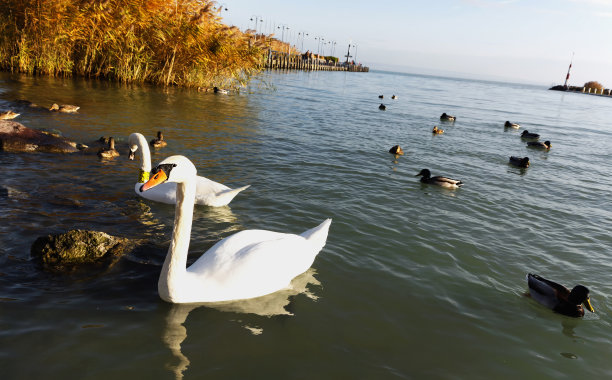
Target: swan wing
[[211, 193]]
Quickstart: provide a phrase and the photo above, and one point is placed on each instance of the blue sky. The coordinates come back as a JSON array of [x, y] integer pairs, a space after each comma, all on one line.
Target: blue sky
[[528, 41]]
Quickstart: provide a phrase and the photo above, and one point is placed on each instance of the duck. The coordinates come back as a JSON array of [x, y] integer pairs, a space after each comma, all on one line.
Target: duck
[[381, 96], [247, 264], [218, 90], [527, 135], [8, 115], [559, 298], [521, 162], [208, 192], [438, 180], [508, 124], [446, 117], [393, 97], [539, 144], [382, 107], [109, 152], [159, 142], [66, 108], [397, 150], [436, 130]]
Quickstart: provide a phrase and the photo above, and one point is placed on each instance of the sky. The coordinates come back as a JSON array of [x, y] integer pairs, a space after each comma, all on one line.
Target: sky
[[523, 41]]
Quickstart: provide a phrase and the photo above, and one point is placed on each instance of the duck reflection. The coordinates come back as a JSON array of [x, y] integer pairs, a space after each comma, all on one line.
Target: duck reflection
[[273, 304]]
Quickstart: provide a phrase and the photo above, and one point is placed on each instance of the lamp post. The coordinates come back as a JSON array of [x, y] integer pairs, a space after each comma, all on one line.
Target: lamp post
[[302, 35], [333, 47], [283, 26], [256, 19], [320, 41]]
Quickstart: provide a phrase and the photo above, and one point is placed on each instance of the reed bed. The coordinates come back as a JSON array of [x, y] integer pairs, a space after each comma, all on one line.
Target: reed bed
[[179, 42]]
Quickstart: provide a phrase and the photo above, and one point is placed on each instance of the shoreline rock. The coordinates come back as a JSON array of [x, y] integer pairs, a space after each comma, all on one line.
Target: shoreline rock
[[16, 137]]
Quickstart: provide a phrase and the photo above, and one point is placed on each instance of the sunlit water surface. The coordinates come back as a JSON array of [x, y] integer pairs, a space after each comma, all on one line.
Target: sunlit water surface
[[414, 282]]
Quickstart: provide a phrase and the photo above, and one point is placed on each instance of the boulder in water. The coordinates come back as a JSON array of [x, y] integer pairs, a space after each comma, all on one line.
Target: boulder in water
[[78, 249], [16, 137]]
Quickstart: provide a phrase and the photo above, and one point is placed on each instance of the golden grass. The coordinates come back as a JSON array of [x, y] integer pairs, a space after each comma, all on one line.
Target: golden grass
[[181, 42]]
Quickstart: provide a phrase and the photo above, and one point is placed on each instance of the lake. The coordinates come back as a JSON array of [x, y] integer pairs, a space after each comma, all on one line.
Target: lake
[[415, 281]]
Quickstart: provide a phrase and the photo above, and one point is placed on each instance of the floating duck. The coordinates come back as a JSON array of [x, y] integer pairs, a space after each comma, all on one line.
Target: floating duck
[[393, 97], [437, 131], [8, 115], [109, 152], [159, 142], [446, 117], [438, 180], [382, 107], [66, 108], [511, 125], [521, 162], [381, 96], [247, 264], [527, 135], [539, 144], [218, 90], [397, 150], [559, 298]]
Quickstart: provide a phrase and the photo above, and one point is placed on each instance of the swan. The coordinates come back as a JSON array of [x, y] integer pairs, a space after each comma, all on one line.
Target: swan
[[208, 193], [247, 264]]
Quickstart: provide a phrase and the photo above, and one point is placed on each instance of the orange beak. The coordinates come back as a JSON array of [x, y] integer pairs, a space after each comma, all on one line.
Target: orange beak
[[159, 177]]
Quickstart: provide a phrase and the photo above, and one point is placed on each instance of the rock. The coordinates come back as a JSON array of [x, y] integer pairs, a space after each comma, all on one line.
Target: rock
[[78, 249], [16, 137]]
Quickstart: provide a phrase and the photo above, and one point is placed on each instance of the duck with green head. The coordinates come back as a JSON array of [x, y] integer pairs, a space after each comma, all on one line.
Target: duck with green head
[[559, 298], [439, 180]]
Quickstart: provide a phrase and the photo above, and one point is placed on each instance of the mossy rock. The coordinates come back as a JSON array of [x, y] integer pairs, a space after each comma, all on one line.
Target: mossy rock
[[78, 249], [16, 137]]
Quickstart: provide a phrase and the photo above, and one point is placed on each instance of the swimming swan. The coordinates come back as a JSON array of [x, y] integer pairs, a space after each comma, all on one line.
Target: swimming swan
[[248, 264], [208, 193]]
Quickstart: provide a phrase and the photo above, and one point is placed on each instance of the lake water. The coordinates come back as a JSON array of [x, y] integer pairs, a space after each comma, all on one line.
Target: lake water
[[415, 281]]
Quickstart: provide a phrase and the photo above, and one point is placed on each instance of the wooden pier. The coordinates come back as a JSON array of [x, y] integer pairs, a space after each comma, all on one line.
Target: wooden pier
[[284, 61], [584, 90]]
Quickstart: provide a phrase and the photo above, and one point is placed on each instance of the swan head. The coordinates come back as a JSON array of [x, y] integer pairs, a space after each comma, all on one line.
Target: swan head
[[133, 143], [173, 169]]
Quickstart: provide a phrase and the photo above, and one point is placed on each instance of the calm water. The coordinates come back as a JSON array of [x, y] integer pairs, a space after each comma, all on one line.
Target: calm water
[[414, 282]]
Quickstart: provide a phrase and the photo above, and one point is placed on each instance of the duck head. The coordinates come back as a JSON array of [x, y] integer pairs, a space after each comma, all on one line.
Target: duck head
[[580, 295], [424, 173]]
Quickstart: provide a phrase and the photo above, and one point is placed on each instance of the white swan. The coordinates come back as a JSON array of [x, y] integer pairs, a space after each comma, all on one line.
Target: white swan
[[208, 193], [247, 264]]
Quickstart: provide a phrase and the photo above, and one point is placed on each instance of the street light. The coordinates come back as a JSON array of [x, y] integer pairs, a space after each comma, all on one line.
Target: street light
[[302, 35], [320, 40], [283, 33], [256, 19]]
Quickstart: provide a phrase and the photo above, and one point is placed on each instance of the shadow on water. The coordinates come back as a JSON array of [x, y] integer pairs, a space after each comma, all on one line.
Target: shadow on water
[[275, 304]]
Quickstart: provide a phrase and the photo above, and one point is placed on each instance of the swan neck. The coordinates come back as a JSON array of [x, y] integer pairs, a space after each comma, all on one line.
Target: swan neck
[[175, 264], [145, 153]]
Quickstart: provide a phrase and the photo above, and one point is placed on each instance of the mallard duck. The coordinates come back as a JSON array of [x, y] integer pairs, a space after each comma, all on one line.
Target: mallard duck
[[539, 144], [218, 90], [438, 180], [527, 135], [8, 115], [393, 97], [66, 108], [558, 298], [511, 125], [437, 131], [397, 150], [446, 117], [521, 162], [382, 107], [159, 142], [381, 96], [109, 152]]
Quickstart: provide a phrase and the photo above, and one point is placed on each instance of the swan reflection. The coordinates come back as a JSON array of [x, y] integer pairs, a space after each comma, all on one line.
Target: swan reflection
[[269, 305]]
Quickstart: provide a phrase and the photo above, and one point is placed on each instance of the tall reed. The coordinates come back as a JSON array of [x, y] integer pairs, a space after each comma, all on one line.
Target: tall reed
[[179, 42]]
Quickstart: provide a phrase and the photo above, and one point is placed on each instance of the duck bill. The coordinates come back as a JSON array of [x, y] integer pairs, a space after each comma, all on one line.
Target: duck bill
[[159, 177], [587, 304]]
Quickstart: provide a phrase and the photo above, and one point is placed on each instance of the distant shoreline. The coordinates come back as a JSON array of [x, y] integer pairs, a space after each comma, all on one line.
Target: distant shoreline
[[583, 90]]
